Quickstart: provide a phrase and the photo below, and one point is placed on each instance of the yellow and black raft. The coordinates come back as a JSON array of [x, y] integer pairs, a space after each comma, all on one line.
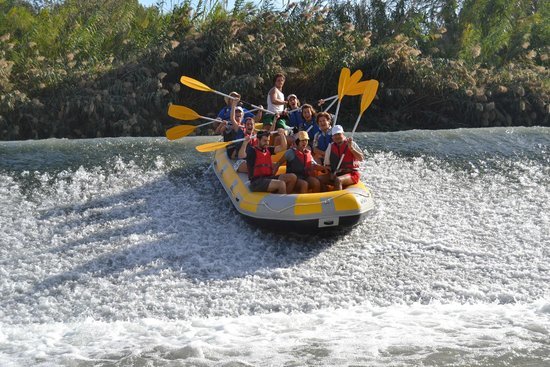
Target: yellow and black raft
[[299, 212]]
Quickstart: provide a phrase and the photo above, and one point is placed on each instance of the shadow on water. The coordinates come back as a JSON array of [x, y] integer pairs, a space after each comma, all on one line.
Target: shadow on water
[[182, 223]]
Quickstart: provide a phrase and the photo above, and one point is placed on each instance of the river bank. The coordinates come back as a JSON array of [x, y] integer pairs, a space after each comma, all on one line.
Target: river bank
[[133, 101]]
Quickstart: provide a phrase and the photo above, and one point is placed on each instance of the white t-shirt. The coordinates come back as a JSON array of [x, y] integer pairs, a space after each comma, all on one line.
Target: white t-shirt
[[277, 108]]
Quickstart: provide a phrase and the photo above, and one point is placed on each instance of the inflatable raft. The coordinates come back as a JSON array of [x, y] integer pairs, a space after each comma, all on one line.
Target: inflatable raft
[[304, 212]]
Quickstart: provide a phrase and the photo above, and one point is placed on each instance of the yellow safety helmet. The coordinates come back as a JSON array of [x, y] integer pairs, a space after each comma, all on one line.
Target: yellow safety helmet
[[302, 135]]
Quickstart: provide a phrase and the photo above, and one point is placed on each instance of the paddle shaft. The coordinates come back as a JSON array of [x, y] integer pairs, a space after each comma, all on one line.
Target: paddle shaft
[[185, 113], [331, 104], [325, 99], [209, 122], [336, 113], [209, 147], [259, 108], [330, 98], [209, 119], [180, 131], [251, 137], [248, 103]]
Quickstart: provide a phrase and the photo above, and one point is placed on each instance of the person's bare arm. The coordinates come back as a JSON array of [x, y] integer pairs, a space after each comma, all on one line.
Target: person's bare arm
[[354, 149], [242, 149], [274, 99], [282, 141]]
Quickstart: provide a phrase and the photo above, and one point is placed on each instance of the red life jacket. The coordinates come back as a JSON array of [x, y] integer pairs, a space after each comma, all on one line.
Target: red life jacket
[[301, 165], [253, 141], [262, 165], [349, 163]]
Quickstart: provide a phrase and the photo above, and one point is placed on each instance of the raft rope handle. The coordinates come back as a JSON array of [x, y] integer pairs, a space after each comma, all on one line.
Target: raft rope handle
[[326, 201], [323, 202]]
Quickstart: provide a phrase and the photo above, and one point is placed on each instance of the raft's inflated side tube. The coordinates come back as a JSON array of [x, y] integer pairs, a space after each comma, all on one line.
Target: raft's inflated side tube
[[326, 210]]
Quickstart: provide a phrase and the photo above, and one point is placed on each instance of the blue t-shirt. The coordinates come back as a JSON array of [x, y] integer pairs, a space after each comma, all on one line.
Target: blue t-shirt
[[322, 140], [295, 119], [312, 128], [225, 113]]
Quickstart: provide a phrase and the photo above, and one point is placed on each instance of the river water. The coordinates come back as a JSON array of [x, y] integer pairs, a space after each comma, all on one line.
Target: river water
[[127, 252]]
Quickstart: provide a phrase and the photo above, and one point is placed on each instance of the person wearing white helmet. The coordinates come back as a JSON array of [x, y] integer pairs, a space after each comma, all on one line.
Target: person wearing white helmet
[[348, 172], [294, 112]]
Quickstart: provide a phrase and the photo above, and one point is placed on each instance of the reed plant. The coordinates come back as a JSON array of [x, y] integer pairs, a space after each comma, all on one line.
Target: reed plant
[[110, 67]]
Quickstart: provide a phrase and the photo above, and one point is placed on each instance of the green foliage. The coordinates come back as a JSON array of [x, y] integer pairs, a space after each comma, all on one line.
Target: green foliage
[[109, 66], [498, 31], [52, 43]]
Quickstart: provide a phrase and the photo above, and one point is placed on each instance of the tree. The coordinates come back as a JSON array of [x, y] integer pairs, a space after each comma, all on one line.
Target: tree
[[497, 31]]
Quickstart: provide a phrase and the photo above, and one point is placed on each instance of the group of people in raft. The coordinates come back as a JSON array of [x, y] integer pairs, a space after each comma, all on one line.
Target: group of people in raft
[[313, 146]]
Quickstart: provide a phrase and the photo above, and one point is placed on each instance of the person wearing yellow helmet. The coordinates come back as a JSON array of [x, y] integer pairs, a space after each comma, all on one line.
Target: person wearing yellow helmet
[[300, 162]]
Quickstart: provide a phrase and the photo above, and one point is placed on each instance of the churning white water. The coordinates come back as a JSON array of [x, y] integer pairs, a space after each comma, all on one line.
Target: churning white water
[[127, 252]]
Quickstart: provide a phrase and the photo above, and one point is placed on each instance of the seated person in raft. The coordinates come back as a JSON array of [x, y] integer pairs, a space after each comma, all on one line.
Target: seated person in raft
[[224, 114], [249, 131], [234, 129], [300, 162], [261, 171], [323, 138], [293, 112], [276, 124], [348, 172], [309, 123], [226, 110]]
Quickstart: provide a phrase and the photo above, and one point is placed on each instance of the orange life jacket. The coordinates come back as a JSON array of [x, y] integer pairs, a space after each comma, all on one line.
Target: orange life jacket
[[262, 165], [301, 165], [349, 163]]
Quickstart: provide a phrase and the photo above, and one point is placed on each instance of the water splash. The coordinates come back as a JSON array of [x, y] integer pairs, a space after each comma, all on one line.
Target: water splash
[[133, 242]]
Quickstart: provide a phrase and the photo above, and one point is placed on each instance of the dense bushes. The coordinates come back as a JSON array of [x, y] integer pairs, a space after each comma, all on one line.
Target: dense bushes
[[110, 67]]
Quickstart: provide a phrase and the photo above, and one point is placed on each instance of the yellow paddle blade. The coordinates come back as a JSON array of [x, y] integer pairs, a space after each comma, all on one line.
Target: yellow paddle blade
[[210, 147], [258, 126], [182, 112], [351, 88], [356, 89], [195, 84], [369, 94], [179, 131], [345, 75], [354, 78]]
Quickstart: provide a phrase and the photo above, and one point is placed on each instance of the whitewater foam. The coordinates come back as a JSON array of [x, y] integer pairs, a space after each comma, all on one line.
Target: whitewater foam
[[131, 254]]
